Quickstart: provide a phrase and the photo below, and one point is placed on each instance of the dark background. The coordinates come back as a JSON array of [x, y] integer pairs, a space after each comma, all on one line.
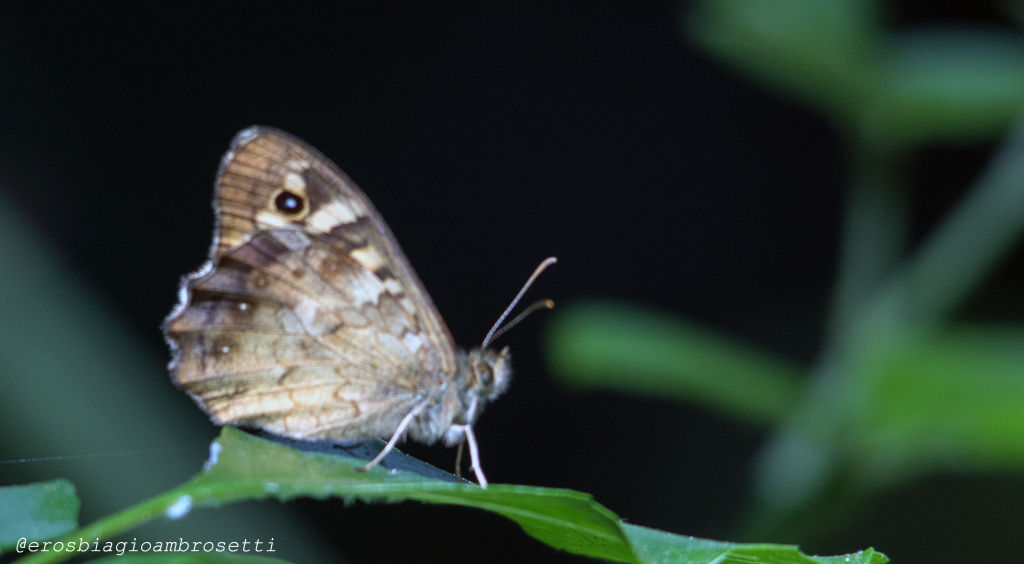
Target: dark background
[[489, 137]]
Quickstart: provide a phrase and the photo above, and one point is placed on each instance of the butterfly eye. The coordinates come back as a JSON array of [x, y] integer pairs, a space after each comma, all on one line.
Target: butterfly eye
[[483, 373], [289, 203]]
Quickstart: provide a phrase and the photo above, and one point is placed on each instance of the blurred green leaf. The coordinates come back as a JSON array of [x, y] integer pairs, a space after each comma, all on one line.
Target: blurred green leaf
[[244, 467], [952, 398], [821, 52], [903, 89], [37, 511], [639, 351], [947, 84]]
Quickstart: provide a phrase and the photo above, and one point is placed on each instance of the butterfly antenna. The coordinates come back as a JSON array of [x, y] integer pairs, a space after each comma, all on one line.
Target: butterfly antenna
[[497, 329], [539, 304]]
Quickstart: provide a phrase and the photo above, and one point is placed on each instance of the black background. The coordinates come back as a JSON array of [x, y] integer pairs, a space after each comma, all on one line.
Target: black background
[[489, 137]]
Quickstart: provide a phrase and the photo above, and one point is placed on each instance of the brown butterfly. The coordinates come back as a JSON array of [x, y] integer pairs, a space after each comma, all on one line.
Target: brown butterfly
[[308, 321]]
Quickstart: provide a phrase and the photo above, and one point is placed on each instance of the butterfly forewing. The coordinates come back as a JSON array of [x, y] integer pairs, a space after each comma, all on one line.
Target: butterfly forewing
[[308, 320]]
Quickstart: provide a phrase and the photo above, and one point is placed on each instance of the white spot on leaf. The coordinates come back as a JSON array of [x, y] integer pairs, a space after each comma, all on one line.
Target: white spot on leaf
[[179, 508], [214, 453]]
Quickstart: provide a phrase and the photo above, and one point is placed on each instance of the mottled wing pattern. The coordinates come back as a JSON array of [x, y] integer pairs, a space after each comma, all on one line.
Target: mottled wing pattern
[[307, 321]]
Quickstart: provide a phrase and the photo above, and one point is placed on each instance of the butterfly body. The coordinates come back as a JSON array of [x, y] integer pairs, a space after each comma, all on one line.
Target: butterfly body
[[307, 321]]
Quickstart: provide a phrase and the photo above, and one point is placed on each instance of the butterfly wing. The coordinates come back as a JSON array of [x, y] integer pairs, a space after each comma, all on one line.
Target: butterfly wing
[[307, 321]]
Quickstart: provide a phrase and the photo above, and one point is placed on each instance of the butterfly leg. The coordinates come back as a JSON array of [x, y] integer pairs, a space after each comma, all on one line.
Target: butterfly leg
[[474, 454], [402, 426], [458, 462]]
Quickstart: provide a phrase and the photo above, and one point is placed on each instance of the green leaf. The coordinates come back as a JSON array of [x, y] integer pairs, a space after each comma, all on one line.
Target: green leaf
[[906, 89], [821, 52], [244, 467], [952, 397], [37, 511], [947, 84], [247, 467], [254, 468], [629, 349], [656, 546]]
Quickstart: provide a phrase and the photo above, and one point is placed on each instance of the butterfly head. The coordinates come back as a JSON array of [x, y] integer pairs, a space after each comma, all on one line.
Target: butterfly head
[[490, 372], [487, 375]]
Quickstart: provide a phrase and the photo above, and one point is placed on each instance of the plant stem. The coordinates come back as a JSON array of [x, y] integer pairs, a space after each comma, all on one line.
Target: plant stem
[[874, 230], [964, 248]]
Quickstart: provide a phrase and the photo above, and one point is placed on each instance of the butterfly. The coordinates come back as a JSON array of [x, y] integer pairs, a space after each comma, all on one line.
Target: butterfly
[[308, 322]]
